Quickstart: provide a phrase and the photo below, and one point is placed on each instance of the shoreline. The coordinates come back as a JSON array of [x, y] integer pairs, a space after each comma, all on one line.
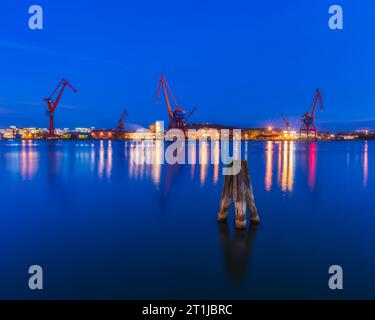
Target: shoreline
[[206, 140]]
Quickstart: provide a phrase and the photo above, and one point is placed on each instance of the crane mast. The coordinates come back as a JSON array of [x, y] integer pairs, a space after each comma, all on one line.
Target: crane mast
[[177, 114], [163, 84], [317, 99], [52, 104], [308, 120], [121, 122], [286, 123]]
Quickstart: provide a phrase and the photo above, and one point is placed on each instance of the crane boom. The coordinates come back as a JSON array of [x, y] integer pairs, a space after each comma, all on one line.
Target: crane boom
[[176, 114], [52, 105], [317, 99], [163, 86], [64, 84], [307, 120], [121, 122], [286, 122], [172, 95]]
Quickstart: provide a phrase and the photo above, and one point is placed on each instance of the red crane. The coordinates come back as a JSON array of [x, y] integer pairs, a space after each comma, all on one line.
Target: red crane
[[286, 123], [308, 121], [52, 104], [177, 115], [121, 122]]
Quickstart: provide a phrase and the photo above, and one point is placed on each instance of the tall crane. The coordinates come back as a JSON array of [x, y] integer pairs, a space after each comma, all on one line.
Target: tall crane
[[121, 122], [308, 120], [52, 104], [177, 115], [286, 123], [120, 129]]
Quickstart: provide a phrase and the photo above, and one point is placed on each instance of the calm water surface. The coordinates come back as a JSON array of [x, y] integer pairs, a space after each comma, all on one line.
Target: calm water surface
[[103, 227]]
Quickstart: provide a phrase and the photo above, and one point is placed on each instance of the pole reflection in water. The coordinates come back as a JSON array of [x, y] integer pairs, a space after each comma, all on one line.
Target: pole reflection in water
[[285, 166], [109, 159], [269, 159], [101, 159], [365, 165], [287, 172], [237, 251], [131, 160], [136, 149], [216, 160], [146, 159], [105, 159], [158, 160], [192, 154], [279, 164], [312, 165], [203, 160], [284, 171], [92, 158], [291, 166], [29, 160]]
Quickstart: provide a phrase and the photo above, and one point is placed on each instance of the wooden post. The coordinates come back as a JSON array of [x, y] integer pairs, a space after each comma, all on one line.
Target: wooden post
[[239, 187]]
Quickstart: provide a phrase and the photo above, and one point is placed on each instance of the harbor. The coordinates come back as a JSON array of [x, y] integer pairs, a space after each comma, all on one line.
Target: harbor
[[186, 159], [179, 119], [203, 131]]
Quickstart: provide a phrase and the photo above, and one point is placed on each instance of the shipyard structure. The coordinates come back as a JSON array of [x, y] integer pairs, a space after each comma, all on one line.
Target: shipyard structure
[[193, 131], [179, 119]]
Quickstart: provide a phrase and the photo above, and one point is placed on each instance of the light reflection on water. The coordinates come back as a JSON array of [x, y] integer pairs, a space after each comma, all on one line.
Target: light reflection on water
[[312, 165], [365, 165], [285, 165], [216, 161], [109, 160], [269, 165], [101, 159], [280, 161], [203, 160], [154, 203], [29, 160]]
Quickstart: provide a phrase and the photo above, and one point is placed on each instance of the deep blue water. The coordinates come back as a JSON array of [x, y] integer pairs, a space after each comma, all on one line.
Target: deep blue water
[[104, 227]]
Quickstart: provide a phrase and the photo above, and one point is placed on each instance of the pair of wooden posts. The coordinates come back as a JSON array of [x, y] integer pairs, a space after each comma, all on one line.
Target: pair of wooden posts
[[239, 187]]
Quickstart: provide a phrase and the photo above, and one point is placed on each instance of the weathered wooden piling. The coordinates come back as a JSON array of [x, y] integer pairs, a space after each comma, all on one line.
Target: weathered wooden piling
[[240, 189]]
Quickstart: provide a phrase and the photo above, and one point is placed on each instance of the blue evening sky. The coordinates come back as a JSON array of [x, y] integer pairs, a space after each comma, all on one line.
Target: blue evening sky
[[240, 62]]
